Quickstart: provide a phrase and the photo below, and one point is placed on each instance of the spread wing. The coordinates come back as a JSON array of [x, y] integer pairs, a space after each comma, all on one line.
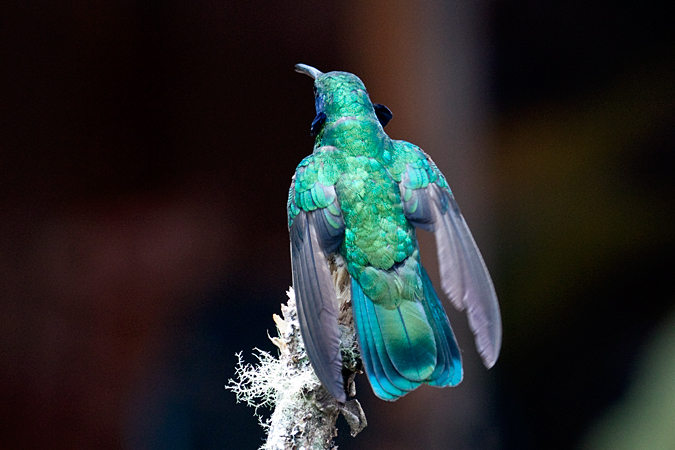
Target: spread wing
[[316, 229], [429, 204]]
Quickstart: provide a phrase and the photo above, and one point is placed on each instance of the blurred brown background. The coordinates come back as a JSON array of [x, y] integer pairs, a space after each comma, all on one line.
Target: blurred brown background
[[146, 149]]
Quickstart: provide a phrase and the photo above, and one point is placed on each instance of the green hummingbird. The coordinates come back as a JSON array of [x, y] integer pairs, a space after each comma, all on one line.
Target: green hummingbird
[[362, 194]]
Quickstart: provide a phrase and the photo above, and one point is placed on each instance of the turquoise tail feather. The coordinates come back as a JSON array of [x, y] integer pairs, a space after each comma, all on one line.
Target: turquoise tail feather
[[405, 347], [449, 368], [407, 339], [379, 379]]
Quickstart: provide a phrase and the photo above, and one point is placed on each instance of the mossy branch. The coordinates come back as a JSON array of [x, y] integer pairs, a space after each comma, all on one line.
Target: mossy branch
[[305, 414]]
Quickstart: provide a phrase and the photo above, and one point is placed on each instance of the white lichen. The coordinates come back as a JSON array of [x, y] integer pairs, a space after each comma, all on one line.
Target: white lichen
[[276, 383], [262, 384]]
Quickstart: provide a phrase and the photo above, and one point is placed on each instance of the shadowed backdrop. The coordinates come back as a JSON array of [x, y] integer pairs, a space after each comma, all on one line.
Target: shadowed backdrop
[[146, 150]]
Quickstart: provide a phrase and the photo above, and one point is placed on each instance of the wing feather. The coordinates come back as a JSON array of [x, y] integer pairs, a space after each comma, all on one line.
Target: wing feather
[[317, 303], [316, 229], [464, 276]]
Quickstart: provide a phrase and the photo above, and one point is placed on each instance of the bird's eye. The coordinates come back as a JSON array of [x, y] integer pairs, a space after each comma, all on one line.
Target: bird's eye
[[315, 91]]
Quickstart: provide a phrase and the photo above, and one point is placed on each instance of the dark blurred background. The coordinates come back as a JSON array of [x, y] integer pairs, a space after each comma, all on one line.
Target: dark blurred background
[[146, 149]]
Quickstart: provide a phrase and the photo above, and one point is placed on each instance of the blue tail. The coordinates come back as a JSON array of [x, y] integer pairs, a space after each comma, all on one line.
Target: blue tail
[[405, 347]]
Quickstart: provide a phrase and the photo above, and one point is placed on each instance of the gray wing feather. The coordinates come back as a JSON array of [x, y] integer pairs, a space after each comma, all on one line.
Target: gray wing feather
[[464, 276], [330, 227], [316, 299]]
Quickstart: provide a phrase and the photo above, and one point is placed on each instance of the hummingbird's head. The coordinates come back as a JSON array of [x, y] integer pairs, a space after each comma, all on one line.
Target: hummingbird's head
[[341, 94], [338, 94]]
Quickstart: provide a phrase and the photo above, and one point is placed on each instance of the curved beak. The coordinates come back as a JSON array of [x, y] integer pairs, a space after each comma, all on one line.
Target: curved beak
[[308, 70]]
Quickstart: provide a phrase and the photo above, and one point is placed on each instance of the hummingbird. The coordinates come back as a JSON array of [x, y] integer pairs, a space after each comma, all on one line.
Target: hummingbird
[[362, 195]]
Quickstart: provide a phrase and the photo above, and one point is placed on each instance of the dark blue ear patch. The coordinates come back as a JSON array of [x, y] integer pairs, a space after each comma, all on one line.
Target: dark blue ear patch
[[383, 114], [317, 123]]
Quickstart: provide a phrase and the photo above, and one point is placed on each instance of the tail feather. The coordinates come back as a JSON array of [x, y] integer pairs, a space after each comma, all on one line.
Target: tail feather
[[449, 368], [406, 346], [407, 337], [379, 377]]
